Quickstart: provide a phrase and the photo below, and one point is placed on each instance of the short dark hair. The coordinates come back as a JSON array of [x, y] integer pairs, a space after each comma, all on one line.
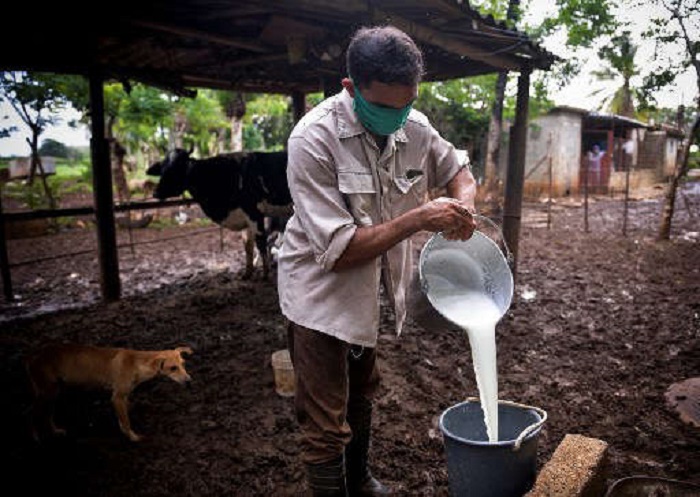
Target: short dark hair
[[385, 54]]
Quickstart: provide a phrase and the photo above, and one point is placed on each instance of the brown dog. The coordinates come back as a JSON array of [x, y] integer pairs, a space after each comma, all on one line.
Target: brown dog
[[119, 370]]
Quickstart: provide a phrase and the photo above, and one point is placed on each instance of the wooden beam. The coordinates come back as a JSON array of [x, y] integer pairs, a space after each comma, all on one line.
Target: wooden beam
[[259, 60], [272, 86], [450, 44], [516, 170], [203, 35], [102, 192]]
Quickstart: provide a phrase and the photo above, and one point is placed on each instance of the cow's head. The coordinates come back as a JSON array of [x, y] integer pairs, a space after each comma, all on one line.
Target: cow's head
[[173, 173]]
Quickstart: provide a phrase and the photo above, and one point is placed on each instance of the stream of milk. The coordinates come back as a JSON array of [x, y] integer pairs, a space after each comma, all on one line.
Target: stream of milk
[[478, 314]]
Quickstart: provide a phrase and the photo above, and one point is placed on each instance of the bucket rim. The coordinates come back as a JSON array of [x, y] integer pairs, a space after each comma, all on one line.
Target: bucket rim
[[478, 235], [500, 443]]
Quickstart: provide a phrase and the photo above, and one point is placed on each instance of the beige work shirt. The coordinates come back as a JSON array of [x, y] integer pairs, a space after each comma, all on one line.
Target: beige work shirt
[[339, 181]]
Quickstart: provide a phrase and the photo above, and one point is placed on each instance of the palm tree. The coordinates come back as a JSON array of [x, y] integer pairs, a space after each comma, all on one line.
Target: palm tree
[[619, 55]]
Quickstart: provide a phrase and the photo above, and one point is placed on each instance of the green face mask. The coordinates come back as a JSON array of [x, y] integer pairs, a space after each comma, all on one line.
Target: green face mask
[[379, 120]]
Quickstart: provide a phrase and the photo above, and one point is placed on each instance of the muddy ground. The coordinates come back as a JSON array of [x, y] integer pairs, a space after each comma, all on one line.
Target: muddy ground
[[600, 327]]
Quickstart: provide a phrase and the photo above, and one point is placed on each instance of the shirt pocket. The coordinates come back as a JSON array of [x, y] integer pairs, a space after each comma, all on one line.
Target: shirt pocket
[[409, 187], [351, 183], [360, 192]]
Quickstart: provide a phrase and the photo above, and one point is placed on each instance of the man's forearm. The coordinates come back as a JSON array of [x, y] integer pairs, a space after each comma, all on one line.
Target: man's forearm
[[372, 241], [463, 187]]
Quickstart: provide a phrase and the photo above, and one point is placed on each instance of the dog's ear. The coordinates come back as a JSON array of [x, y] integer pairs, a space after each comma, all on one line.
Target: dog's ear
[[185, 350]]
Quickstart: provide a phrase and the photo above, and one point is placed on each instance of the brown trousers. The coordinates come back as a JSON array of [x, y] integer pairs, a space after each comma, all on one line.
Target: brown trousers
[[331, 376]]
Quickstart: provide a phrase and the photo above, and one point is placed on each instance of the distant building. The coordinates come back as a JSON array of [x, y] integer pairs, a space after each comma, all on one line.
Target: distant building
[[593, 150], [19, 167]]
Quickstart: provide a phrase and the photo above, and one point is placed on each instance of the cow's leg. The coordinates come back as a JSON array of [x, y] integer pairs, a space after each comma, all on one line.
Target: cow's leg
[[261, 242], [249, 238]]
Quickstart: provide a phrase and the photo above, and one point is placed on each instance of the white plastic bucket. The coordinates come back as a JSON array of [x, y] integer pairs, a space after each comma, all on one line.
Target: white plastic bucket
[[283, 372]]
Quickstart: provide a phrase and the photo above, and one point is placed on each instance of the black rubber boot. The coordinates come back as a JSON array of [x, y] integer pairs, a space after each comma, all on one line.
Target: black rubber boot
[[361, 483], [327, 479]]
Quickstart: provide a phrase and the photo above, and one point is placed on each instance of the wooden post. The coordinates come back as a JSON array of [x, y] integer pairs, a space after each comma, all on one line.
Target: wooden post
[[627, 161], [585, 194], [516, 169], [5, 260], [298, 105], [102, 193], [549, 200]]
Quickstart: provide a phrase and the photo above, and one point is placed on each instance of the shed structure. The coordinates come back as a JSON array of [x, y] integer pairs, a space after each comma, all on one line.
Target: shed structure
[[563, 138], [275, 46]]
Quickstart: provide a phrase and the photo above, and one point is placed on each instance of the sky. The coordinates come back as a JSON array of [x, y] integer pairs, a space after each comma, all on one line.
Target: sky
[[576, 94]]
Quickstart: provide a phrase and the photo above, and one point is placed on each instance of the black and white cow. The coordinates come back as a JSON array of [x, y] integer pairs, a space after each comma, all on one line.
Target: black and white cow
[[237, 191]]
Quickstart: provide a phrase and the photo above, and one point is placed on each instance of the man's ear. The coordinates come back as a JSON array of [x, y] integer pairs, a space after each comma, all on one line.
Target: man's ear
[[349, 86]]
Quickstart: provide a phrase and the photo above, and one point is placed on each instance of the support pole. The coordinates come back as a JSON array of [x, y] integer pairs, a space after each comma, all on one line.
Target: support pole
[[625, 210], [4, 259], [102, 193], [586, 162], [299, 105], [516, 169], [549, 200]]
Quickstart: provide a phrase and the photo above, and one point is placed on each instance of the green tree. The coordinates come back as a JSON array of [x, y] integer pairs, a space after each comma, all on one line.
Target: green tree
[[268, 122], [583, 22], [137, 118], [619, 55], [495, 125], [459, 110], [234, 106], [35, 97], [53, 148], [205, 121], [676, 34]]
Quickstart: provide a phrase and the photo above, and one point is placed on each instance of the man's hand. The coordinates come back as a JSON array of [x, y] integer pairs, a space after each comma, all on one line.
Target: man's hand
[[450, 216]]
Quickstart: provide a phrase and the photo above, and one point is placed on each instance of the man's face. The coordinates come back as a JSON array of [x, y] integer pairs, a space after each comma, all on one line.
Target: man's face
[[393, 96]]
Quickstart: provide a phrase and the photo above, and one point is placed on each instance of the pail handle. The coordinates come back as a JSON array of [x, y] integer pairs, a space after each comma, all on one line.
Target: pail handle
[[508, 254], [528, 429]]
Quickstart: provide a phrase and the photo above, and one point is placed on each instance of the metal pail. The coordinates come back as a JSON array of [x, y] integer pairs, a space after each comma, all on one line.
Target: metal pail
[[454, 267], [479, 468]]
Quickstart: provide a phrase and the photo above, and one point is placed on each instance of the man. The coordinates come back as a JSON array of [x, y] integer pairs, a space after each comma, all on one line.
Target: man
[[595, 159], [360, 165]]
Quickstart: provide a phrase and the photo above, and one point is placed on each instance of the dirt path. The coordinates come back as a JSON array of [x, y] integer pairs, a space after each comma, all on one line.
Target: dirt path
[[599, 328]]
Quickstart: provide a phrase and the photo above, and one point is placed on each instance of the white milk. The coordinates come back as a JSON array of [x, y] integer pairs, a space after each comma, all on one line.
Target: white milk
[[478, 315]]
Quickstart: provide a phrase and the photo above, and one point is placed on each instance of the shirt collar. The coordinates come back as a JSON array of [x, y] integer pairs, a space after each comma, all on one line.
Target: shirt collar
[[348, 123]]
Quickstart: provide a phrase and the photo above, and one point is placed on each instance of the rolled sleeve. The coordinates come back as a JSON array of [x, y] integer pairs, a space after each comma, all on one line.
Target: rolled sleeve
[[318, 203], [444, 160], [339, 242]]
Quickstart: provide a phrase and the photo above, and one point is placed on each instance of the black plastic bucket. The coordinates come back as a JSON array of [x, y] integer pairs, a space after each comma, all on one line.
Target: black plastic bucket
[[479, 468]]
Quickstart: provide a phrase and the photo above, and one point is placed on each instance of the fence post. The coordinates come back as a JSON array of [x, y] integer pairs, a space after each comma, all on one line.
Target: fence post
[[4, 259]]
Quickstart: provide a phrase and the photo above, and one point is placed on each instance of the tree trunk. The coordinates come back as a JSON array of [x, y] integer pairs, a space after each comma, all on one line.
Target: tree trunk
[[235, 110], [37, 165], [179, 128], [680, 171], [236, 134], [493, 143], [118, 152]]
